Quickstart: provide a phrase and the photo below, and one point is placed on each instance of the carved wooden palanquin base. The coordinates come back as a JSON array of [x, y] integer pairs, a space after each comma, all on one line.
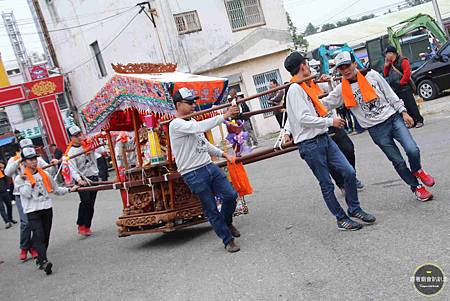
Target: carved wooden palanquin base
[[150, 209]]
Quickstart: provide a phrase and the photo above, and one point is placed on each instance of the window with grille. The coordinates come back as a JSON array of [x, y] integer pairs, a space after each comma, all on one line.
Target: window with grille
[[244, 14], [27, 110], [262, 84], [99, 58], [187, 22], [62, 103]]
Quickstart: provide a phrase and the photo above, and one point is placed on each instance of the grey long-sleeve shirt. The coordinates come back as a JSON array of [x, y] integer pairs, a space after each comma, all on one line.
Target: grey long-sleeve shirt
[[37, 198], [189, 145], [13, 166], [82, 166], [375, 112], [303, 121]]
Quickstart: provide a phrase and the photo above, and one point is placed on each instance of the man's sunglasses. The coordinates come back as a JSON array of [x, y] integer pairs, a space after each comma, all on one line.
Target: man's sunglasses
[[189, 102]]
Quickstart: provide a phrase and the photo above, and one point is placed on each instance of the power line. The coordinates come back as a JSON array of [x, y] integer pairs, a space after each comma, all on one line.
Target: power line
[[109, 44], [26, 21], [382, 8], [81, 25]]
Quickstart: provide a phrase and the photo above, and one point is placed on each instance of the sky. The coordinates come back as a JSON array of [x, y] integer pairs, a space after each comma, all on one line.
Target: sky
[[319, 12], [302, 12], [23, 16]]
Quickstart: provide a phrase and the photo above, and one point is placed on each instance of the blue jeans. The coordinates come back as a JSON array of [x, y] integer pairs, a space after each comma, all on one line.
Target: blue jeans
[[206, 183], [383, 135], [322, 154], [25, 230]]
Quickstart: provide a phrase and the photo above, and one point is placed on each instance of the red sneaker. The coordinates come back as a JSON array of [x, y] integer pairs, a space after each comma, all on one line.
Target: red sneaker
[[33, 253], [23, 254], [426, 178], [81, 230], [88, 231], [422, 194]]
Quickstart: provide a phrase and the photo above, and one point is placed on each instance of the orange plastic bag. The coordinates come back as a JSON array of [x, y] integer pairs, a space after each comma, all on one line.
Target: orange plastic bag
[[239, 178]]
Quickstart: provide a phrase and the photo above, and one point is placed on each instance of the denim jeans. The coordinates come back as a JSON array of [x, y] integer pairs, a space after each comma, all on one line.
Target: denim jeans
[[383, 135], [206, 183], [347, 147], [25, 230], [322, 154]]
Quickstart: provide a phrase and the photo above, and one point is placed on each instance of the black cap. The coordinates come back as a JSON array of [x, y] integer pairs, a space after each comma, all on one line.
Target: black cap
[[293, 62], [390, 48], [184, 94]]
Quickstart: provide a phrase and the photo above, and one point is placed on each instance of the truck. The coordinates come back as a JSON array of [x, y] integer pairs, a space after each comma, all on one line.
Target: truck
[[415, 38]]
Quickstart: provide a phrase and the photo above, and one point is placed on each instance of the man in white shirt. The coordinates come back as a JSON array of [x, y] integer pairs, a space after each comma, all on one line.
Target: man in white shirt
[[193, 153], [308, 123], [13, 169], [83, 170], [385, 117]]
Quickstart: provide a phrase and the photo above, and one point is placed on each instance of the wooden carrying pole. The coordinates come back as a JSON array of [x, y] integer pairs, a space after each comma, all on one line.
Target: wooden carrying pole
[[74, 156], [255, 156], [226, 105]]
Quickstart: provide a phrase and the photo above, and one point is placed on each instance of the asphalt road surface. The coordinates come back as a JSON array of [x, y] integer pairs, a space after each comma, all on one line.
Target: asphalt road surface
[[290, 247]]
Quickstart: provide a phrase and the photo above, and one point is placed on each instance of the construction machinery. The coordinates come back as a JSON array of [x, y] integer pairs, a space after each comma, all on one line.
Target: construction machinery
[[325, 53], [412, 37]]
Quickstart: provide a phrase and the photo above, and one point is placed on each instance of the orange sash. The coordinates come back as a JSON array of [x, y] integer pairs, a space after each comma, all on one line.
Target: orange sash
[[239, 178], [84, 144], [367, 91], [313, 93], [44, 176]]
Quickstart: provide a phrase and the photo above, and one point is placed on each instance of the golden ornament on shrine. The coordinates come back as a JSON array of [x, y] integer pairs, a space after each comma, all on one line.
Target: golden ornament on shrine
[[43, 88]]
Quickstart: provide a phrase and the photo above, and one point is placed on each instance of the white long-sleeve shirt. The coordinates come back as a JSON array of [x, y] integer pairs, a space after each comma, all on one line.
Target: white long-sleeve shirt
[[375, 112], [37, 198], [82, 166], [303, 121], [189, 145], [13, 166]]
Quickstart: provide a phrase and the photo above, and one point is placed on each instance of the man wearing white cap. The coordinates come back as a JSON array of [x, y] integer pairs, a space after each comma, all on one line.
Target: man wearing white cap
[[192, 153], [83, 170], [14, 168], [308, 122], [378, 109], [34, 186]]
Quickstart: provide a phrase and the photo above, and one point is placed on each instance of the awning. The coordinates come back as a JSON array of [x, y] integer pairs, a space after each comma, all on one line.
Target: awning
[[7, 140]]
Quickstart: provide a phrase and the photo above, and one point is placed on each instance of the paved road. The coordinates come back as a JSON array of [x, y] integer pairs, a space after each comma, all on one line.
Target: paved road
[[291, 249]]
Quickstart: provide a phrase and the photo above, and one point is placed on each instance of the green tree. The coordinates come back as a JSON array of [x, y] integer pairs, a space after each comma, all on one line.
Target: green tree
[[327, 26], [310, 29], [416, 2], [300, 43]]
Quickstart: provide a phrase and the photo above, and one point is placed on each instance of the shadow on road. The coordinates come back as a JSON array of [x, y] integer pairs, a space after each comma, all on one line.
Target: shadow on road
[[173, 239]]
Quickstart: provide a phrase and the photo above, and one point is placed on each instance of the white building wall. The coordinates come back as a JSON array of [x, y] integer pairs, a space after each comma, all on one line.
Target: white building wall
[[202, 52], [247, 70]]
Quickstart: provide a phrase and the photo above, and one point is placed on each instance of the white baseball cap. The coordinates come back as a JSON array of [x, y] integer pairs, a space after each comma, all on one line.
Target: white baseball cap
[[29, 153], [26, 143], [184, 94], [74, 130], [343, 58]]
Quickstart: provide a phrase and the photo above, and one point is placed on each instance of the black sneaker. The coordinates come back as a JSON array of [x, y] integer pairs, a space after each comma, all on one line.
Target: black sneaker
[[347, 224], [13, 221], [364, 216], [8, 224], [46, 267]]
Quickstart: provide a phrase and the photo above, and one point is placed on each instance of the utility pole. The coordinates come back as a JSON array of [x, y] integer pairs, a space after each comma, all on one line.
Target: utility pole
[[437, 12], [48, 40], [35, 6]]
